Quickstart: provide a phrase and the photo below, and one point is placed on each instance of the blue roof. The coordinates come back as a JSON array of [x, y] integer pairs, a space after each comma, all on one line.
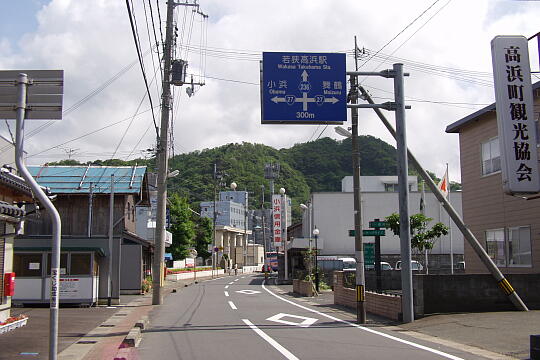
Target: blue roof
[[77, 179]]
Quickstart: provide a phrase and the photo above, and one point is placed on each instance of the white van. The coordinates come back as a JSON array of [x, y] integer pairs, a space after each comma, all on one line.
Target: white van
[[348, 263], [415, 265]]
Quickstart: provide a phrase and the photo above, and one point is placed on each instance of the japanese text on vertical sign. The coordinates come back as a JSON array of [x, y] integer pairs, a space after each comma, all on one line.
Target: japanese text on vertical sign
[[276, 214], [517, 132]]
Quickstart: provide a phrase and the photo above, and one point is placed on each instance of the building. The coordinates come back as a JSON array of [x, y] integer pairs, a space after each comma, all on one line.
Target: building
[[332, 214], [145, 219], [13, 193], [508, 227], [230, 209], [82, 197]]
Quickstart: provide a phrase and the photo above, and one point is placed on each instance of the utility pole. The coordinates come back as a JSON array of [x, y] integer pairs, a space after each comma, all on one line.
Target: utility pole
[[245, 231], [162, 157], [162, 150], [357, 207]]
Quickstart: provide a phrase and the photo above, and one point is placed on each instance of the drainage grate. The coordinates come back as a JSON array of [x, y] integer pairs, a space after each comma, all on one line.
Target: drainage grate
[[86, 342], [120, 314], [106, 325]]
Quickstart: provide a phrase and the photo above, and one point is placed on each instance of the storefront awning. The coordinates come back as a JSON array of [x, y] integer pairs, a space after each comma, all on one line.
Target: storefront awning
[[95, 249]]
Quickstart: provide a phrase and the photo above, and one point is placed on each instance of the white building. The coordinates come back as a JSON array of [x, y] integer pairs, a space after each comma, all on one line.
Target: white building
[[332, 214]]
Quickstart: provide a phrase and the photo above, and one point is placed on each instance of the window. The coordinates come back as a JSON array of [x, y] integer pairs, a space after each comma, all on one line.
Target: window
[[391, 187], [63, 264], [27, 265], [80, 264], [519, 246], [495, 246], [510, 248], [491, 156]]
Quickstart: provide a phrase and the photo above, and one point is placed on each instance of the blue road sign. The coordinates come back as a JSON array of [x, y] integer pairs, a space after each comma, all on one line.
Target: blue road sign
[[303, 88]]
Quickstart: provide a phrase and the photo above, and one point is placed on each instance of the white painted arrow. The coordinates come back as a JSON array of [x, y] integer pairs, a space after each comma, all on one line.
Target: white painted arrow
[[304, 75], [277, 99], [332, 100]]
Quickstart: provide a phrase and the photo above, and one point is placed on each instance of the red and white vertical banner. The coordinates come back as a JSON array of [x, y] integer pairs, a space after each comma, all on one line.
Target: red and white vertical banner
[[515, 114], [276, 218]]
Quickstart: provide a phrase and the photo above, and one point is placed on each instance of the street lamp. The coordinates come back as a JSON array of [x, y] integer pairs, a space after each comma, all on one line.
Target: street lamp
[[284, 232], [316, 234], [341, 131], [308, 208]]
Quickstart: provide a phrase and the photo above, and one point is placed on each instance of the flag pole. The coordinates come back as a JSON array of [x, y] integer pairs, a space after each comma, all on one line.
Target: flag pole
[[450, 227], [423, 212]]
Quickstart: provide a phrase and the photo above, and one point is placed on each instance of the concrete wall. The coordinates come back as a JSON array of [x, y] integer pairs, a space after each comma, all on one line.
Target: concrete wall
[[376, 183], [333, 216]]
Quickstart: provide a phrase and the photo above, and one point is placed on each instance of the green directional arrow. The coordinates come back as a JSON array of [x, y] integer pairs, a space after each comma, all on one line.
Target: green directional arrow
[[378, 224], [373, 232]]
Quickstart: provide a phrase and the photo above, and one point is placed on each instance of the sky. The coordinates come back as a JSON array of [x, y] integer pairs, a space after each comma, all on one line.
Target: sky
[[444, 45]]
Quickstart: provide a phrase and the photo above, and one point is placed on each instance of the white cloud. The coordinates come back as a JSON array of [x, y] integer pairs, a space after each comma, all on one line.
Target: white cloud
[[91, 40]]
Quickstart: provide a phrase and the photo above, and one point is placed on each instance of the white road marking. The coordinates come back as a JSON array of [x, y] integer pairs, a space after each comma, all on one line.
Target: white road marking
[[231, 304], [226, 286], [248, 292], [236, 279], [446, 355], [226, 293], [306, 321], [242, 277], [232, 282], [271, 341]]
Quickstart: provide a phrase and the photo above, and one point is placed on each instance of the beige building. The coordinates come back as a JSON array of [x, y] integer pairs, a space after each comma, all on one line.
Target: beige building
[[507, 226]]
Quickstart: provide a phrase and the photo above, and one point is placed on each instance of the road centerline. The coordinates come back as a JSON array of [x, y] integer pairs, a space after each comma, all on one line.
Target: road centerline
[[231, 304], [271, 341], [226, 293]]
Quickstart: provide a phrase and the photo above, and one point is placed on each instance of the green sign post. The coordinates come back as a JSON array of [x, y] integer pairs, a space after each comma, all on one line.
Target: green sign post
[[369, 254]]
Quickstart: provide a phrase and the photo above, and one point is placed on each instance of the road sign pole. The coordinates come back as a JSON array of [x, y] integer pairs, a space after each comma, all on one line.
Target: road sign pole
[[404, 224], [22, 84], [378, 261]]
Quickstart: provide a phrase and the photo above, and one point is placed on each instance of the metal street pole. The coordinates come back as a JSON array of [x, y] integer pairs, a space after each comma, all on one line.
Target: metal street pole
[[245, 231], [111, 234], [162, 154], [22, 83], [403, 172], [316, 233], [265, 249]]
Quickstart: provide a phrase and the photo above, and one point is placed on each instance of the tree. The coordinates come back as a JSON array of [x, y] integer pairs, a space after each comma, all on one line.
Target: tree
[[182, 227], [422, 237], [203, 236]]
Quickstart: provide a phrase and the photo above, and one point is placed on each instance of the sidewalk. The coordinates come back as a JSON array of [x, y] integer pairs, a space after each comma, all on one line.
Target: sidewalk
[[495, 335], [94, 333]]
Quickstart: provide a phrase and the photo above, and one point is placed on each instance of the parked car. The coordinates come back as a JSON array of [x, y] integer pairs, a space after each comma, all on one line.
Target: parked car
[[384, 266], [415, 266]]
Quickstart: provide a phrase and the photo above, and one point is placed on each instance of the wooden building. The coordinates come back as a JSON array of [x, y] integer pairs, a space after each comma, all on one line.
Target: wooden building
[[82, 197]]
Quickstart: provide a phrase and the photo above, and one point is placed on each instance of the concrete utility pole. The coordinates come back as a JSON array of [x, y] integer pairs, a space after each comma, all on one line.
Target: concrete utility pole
[[163, 158], [357, 208]]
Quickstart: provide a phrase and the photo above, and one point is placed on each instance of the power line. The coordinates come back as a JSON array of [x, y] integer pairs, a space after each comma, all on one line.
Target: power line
[[135, 37], [401, 32]]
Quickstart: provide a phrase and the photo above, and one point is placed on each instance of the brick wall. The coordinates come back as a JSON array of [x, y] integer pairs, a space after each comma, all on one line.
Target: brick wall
[[302, 287], [388, 306]]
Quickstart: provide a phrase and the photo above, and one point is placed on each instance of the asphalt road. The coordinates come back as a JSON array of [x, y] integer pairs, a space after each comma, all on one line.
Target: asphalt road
[[238, 317]]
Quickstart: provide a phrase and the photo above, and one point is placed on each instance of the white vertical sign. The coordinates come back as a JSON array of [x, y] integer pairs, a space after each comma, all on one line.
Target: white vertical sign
[[515, 115], [276, 218]]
